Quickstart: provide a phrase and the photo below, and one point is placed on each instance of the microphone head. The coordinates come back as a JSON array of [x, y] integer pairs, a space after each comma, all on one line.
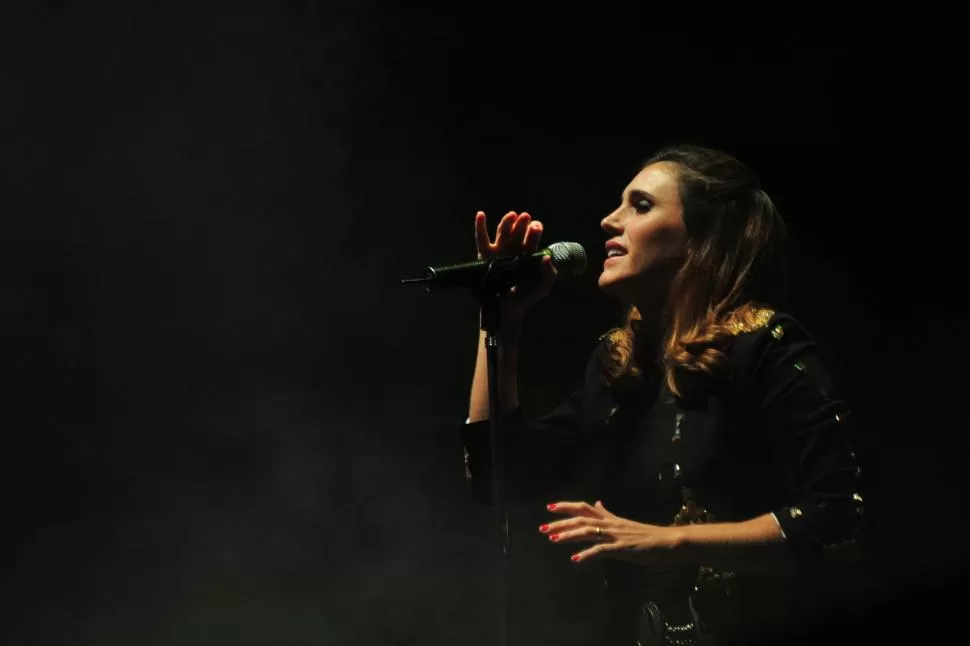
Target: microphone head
[[569, 258]]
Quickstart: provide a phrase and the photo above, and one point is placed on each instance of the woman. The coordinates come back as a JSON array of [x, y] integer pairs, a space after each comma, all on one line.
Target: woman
[[716, 473]]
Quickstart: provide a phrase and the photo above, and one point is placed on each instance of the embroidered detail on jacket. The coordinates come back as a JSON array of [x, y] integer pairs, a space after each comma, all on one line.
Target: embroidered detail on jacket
[[708, 580], [612, 335], [761, 318], [690, 512], [678, 420]]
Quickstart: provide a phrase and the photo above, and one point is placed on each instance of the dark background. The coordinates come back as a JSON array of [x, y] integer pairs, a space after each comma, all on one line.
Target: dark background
[[226, 423]]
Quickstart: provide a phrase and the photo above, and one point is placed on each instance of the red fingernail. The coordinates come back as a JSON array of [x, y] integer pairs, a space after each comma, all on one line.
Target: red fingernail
[[574, 557], [554, 538], [551, 506], [543, 528]]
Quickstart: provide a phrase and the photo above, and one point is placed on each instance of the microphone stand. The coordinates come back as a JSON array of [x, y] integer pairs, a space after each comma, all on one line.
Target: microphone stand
[[495, 279], [489, 295]]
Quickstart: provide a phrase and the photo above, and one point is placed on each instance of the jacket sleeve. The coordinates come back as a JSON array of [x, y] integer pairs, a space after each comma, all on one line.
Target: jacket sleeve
[[538, 454], [807, 432]]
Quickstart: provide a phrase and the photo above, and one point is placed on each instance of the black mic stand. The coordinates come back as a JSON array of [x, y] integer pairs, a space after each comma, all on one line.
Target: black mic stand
[[496, 279], [489, 294]]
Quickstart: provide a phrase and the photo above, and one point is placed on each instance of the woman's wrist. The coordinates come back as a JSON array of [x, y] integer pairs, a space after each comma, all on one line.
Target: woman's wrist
[[509, 331], [734, 544]]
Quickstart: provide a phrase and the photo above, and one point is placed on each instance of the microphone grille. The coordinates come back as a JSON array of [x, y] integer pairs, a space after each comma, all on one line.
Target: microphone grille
[[569, 258]]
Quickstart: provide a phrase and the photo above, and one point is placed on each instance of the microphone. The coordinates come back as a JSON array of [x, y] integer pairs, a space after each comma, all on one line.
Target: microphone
[[501, 273]]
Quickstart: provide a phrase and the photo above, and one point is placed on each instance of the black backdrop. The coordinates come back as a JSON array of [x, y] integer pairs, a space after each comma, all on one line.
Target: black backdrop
[[225, 422]]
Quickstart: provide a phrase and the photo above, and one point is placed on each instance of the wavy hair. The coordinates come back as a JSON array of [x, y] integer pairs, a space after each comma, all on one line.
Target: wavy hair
[[734, 267]]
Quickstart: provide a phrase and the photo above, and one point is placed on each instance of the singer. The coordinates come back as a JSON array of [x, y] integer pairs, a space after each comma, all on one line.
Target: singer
[[718, 488]]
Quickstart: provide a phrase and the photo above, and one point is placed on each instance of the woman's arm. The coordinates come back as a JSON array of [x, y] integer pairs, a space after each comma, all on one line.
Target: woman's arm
[[539, 454], [788, 393], [756, 546]]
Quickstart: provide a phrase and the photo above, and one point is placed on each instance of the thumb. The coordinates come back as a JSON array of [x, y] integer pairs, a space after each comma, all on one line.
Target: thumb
[[548, 271]]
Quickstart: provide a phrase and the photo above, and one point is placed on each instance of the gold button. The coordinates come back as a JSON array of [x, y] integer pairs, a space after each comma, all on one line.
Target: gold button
[[778, 332], [795, 512]]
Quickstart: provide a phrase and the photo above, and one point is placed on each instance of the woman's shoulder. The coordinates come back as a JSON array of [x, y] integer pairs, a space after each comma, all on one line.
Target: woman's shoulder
[[765, 338], [764, 324]]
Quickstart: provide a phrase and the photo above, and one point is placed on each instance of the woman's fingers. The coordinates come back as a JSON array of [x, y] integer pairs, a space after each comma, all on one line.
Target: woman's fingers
[[482, 241], [503, 234], [532, 236], [571, 528], [515, 234], [585, 533], [575, 509], [519, 230]]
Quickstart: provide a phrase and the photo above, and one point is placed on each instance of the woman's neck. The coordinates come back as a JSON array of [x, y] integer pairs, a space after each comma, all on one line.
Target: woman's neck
[[648, 338], [652, 324]]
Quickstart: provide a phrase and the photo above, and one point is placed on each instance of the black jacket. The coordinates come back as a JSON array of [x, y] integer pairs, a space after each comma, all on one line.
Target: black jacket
[[765, 435]]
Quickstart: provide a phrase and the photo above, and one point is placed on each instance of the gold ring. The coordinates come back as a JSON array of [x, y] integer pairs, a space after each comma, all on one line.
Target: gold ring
[[599, 532]]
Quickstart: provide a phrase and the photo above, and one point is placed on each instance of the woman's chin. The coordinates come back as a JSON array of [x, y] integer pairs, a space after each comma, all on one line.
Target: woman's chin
[[618, 287], [608, 284]]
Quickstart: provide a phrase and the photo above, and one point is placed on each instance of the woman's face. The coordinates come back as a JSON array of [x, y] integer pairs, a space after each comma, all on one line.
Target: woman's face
[[647, 230]]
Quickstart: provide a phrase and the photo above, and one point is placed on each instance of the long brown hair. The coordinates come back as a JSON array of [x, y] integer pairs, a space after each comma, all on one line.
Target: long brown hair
[[734, 269]]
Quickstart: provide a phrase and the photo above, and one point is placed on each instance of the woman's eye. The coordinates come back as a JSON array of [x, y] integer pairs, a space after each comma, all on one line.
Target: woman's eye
[[642, 206]]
